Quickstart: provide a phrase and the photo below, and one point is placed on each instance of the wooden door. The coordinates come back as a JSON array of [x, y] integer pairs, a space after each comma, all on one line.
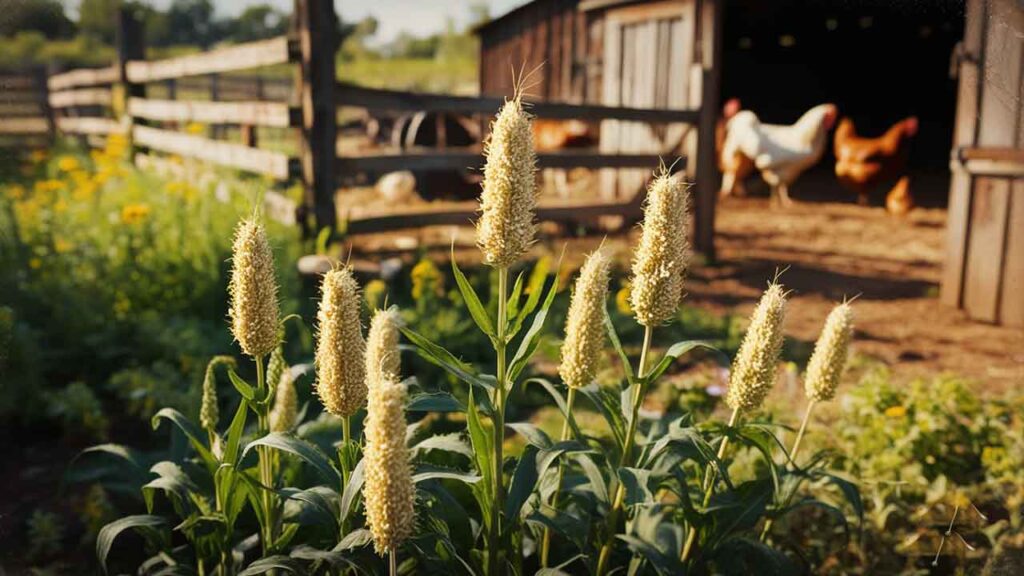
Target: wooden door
[[648, 60], [985, 252]]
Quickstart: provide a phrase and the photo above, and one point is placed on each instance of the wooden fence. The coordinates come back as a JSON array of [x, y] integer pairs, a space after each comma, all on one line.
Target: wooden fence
[[25, 118], [150, 101]]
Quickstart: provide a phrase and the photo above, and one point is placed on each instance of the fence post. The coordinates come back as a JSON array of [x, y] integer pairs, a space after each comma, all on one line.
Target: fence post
[[709, 19], [41, 78], [315, 25], [131, 45]]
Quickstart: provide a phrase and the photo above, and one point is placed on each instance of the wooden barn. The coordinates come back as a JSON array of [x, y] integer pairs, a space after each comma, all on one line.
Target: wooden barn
[[650, 55], [956, 65]]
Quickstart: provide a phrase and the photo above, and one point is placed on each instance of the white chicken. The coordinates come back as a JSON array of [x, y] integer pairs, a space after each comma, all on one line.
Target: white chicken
[[781, 153]]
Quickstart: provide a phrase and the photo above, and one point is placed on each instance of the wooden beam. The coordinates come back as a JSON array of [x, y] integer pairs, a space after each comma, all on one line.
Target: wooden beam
[[83, 77], [709, 19], [89, 125], [275, 114], [994, 154], [24, 126], [970, 61], [81, 97], [465, 214], [455, 159], [273, 164], [20, 110], [376, 99], [238, 57], [277, 206], [314, 25], [17, 81]]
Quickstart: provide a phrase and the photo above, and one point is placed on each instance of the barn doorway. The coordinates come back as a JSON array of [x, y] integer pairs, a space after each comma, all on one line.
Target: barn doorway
[[878, 61]]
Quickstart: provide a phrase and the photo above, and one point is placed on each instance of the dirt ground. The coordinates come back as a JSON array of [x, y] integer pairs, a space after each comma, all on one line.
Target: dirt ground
[[893, 265], [829, 250]]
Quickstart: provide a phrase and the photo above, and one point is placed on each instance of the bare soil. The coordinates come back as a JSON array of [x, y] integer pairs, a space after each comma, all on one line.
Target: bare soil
[[893, 266], [828, 251]]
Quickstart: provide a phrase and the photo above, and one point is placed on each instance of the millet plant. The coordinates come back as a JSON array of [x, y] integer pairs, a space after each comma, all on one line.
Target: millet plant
[[653, 494]]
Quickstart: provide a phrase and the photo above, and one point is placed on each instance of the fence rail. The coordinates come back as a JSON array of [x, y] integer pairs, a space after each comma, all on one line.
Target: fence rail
[[273, 164], [272, 114], [83, 77], [240, 57], [449, 159], [377, 99], [81, 97]]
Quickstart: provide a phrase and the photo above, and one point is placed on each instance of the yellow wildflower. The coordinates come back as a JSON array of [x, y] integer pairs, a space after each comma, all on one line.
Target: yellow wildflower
[[622, 300], [16, 191], [61, 245], [374, 293], [35, 263], [896, 411], [134, 213], [67, 163], [195, 128], [38, 156], [426, 279]]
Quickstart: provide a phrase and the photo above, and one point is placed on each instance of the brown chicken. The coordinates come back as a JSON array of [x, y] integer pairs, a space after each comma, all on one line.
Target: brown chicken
[[735, 168], [862, 164]]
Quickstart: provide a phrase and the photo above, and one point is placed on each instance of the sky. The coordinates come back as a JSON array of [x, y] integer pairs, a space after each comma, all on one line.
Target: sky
[[418, 17]]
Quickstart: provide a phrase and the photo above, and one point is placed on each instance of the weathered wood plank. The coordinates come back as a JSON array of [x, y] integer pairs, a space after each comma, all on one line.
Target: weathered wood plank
[[456, 160], [36, 125], [273, 164], [711, 17], [83, 77], [274, 114], [82, 97], [958, 212], [466, 213], [89, 125], [376, 99], [995, 154], [17, 81], [277, 206], [238, 57], [20, 110], [987, 237], [1011, 309], [314, 22]]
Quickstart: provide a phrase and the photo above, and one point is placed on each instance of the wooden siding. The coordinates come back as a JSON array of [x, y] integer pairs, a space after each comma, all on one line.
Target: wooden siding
[[985, 251], [548, 36]]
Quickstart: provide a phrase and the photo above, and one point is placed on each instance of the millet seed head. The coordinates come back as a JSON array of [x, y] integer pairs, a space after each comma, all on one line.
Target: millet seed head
[[253, 290], [830, 352], [340, 348], [506, 227], [754, 370], [388, 490], [584, 326], [209, 413], [285, 412], [383, 360], [659, 266]]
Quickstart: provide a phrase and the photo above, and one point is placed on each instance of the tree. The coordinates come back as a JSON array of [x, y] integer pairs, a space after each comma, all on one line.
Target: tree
[[258, 22], [44, 16], [98, 19], [191, 22]]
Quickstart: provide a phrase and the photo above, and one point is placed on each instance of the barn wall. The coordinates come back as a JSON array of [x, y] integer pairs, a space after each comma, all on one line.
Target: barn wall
[[551, 36], [985, 256]]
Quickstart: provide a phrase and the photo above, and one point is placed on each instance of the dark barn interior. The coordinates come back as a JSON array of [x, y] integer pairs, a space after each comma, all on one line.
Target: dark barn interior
[[879, 62]]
